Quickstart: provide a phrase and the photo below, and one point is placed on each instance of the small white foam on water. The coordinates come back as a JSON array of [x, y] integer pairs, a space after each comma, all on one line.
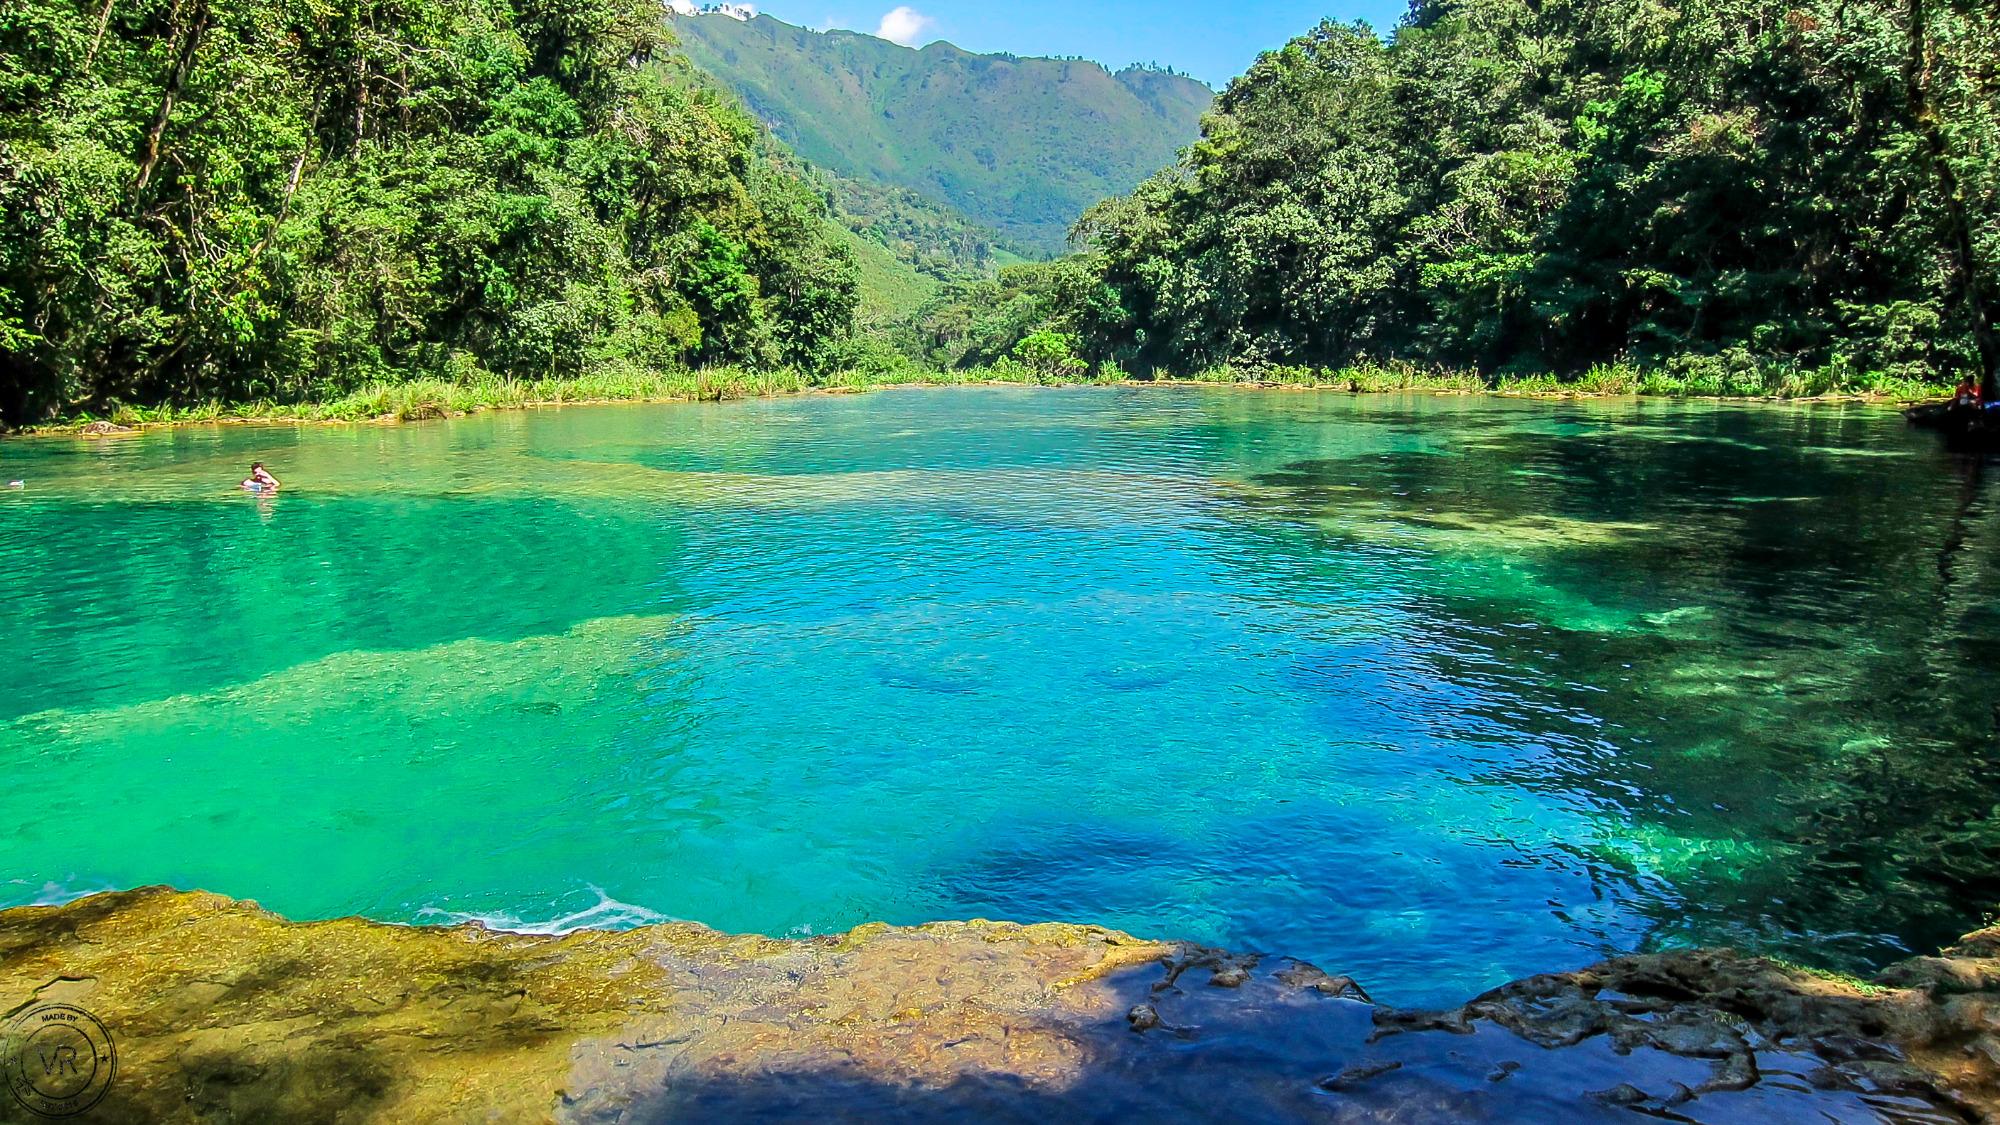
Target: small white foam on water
[[51, 893], [607, 914]]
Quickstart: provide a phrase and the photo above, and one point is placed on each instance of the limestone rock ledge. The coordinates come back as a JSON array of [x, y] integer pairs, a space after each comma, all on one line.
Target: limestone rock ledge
[[222, 1012]]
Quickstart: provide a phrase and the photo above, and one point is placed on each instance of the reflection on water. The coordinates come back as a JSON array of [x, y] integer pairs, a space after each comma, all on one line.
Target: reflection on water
[[1434, 691]]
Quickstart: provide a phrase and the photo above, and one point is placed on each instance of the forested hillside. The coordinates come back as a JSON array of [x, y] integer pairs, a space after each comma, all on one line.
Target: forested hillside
[[931, 237], [1706, 186], [226, 200], [1018, 145]]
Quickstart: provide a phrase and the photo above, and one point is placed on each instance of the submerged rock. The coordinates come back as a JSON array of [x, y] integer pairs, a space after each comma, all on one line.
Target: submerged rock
[[220, 1011]]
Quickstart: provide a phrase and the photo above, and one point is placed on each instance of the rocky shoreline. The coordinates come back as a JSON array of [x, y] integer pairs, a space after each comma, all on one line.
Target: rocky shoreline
[[220, 1011]]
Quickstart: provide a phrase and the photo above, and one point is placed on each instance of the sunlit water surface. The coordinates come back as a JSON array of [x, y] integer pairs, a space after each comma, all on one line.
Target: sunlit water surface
[[1432, 691]]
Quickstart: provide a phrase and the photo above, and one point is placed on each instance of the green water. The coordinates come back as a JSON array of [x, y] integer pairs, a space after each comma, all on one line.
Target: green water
[[1433, 691]]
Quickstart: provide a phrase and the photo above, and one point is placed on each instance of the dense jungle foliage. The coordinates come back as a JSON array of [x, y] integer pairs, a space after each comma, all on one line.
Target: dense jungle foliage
[[231, 200], [209, 201], [1707, 187], [932, 238]]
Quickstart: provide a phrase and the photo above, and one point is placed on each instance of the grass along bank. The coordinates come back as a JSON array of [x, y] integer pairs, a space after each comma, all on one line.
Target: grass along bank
[[416, 399], [1693, 380]]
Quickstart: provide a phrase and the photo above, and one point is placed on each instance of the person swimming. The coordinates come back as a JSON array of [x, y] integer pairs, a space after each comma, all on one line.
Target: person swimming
[[260, 479]]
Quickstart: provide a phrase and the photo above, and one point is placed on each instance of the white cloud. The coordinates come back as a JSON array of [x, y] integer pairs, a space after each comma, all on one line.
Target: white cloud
[[904, 25]]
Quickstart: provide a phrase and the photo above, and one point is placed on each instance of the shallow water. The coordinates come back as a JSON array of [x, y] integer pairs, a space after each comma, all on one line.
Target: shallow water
[[1432, 691]]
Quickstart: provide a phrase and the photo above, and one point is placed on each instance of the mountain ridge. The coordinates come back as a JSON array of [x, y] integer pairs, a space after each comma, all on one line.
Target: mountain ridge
[[1019, 145]]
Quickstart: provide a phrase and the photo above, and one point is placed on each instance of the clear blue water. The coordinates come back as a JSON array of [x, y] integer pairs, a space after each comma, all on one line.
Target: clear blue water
[[1432, 691]]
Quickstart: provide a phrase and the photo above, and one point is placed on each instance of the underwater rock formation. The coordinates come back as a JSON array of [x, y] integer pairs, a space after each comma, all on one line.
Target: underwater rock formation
[[218, 1010]]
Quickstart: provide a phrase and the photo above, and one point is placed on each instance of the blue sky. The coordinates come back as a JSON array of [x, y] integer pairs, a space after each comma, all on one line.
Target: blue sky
[[1212, 40]]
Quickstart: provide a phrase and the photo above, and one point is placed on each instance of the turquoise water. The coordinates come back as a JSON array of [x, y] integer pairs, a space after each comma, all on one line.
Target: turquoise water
[[1432, 691]]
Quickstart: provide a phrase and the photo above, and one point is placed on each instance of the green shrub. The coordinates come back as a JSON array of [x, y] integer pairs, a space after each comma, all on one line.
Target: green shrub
[[1050, 357]]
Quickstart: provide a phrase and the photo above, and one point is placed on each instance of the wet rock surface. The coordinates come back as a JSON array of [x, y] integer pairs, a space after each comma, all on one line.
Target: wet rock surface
[[220, 1011]]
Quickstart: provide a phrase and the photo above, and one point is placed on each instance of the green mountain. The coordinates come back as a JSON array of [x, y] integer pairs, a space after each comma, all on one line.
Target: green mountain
[[1018, 145]]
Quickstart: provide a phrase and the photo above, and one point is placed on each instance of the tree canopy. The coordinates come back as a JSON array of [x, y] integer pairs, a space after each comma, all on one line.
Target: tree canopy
[[240, 199], [1545, 185]]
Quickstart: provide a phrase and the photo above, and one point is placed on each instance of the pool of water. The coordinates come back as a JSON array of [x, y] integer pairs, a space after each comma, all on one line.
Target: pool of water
[[1432, 691]]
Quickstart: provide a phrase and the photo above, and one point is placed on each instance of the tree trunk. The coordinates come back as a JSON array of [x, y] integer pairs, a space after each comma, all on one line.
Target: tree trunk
[[360, 99], [103, 21], [1971, 285], [284, 205], [190, 43], [361, 83]]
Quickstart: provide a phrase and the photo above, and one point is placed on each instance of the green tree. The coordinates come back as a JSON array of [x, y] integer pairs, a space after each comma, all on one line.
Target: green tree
[[1049, 355], [235, 199], [1511, 185]]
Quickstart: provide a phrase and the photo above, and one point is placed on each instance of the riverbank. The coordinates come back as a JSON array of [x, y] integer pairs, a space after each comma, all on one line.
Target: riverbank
[[217, 1010], [419, 399]]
